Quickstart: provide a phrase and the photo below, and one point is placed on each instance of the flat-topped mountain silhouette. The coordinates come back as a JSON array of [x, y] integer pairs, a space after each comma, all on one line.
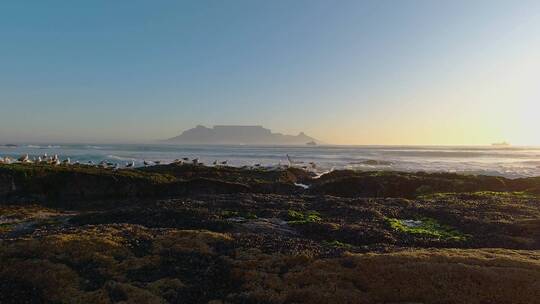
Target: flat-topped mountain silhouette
[[238, 135]]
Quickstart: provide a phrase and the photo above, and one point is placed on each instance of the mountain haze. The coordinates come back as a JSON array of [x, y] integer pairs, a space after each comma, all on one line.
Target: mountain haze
[[237, 135]]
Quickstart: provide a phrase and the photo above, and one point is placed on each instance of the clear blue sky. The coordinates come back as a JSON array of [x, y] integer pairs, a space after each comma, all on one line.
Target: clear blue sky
[[349, 72]]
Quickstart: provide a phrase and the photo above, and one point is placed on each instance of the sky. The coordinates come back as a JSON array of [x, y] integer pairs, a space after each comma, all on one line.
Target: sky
[[345, 72]]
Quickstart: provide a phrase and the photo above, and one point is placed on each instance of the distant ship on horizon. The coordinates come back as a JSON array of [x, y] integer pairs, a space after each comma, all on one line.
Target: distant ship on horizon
[[501, 144]]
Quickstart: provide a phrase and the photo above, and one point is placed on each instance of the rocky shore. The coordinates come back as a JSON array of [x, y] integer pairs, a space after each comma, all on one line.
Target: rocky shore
[[196, 234]]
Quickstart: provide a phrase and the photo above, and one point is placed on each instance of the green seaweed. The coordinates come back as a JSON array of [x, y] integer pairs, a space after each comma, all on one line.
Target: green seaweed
[[428, 227], [6, 227], [297, 217]]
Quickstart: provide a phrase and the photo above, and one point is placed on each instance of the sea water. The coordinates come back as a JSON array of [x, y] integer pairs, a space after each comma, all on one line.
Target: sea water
[[510, 162]]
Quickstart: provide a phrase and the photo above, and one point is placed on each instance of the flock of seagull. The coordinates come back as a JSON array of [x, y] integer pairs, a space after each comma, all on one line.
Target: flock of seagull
[[56, 161], [43, 159]]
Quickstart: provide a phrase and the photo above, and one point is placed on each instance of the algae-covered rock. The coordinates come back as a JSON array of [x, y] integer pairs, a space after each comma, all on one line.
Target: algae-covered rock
[[402, 184], [423, 276], [195, 234], [104, 264], [62, 184]]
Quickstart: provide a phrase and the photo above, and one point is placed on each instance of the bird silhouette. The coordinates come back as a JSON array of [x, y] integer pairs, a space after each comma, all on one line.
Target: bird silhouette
[[23, 159]]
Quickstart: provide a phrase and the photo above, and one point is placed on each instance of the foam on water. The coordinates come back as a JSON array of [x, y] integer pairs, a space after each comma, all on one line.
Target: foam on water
[[510, 162]]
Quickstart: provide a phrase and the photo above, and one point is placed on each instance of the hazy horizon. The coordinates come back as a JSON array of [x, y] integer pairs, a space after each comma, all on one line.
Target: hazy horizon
[[403, 73]]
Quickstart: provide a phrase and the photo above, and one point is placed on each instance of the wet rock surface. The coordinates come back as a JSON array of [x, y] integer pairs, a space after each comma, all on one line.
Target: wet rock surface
[[173, 234]]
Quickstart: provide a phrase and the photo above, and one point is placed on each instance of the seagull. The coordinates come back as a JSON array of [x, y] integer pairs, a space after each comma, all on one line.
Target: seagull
[[56, 162], [215, 163], [195, 161], [185, 158], [289, 160], [91, 163], [146, 163], [157, 162], [66, 161], [177, 161], [130, 165], [224, 162], [23, 159], [7, 160], [43, 157], [257, 165]]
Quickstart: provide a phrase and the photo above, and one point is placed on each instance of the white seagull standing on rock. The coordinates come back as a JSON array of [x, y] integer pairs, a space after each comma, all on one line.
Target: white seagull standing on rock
[[24, 158], [130, 165]]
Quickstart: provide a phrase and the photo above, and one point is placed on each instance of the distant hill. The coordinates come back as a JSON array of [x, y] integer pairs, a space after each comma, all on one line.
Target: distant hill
[[237, 135]]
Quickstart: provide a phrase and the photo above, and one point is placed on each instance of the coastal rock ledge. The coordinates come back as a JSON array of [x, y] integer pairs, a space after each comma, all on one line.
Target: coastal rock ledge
[[184, 233]]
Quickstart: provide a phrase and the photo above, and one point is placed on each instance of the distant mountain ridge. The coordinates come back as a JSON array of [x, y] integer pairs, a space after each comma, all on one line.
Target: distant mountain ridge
[[237, 135]]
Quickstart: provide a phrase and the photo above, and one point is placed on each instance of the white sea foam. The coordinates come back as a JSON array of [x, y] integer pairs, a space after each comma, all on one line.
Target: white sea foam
[[43, 146], [94, 147], [116, 157]]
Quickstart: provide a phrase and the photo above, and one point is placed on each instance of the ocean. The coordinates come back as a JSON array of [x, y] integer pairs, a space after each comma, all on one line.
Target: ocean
[[512, 162]]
